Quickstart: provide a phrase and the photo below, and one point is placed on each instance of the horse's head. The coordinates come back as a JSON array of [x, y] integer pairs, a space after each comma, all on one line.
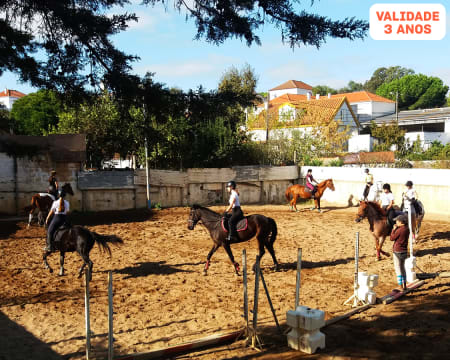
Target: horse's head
[[362, 210], [67, 188], [330, 184], [194, 217]]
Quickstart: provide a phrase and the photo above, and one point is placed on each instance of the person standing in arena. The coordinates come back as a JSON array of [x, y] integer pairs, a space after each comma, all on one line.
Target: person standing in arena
[[369, 183], [400, 235]]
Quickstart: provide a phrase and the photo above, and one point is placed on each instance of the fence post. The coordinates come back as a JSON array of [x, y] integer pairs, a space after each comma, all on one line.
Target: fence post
[[244, 266], [86, 313], [298, 282], [110, 318]]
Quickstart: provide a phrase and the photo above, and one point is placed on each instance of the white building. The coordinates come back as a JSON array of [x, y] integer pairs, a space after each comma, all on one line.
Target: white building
[[290, 87], [427, 125], [8, 97]]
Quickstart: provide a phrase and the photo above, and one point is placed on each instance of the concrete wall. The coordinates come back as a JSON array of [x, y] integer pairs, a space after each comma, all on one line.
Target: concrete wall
[[20, 181], [432, 185]]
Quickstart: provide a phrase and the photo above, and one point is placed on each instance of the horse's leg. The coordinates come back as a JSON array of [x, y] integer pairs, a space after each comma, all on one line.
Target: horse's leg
[[262, 238], [413, 227], [61, 263], [382, 239], [30, 218], [47, 266], [269, 247], [377, 246], [87, 262], [317, 202], [227, 248], [208, 258]]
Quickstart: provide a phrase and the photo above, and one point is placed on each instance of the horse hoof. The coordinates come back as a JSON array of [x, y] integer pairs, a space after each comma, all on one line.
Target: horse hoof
[[61, 274], [205, 273], [51, 270]]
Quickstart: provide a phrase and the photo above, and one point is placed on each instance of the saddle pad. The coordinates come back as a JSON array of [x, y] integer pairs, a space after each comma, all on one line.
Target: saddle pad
[[240, 226], [47, 194]]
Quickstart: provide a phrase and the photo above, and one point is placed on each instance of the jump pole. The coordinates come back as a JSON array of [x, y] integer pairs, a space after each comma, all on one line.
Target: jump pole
[[298, 281], [355, 297], [110, 318], [255, 339], [86, 313], [244, 271], [270, 301]]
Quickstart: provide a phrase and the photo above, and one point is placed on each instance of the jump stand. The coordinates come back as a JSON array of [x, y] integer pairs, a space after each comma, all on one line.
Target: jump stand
[[357, 301], [410, 263], [305, 334]]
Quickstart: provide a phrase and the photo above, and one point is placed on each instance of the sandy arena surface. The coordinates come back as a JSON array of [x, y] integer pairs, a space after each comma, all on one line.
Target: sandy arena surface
[[161, 297]]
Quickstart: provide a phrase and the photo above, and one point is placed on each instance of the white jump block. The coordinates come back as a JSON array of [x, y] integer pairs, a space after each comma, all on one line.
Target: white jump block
[[306, 323], [366, 284], [410, 264], [306, 341]]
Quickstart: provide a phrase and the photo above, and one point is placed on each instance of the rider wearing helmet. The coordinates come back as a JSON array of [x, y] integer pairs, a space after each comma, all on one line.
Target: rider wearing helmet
[[369, 183], [59, 208], [53, 184], [236, 212], [409, 198], [387, 203], [311, 183]]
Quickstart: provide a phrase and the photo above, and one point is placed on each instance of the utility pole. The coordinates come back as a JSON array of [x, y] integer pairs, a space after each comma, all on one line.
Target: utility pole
[[396, 106]]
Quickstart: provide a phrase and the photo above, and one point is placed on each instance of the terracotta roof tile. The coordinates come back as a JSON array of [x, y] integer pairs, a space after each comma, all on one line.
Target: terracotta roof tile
[[360, 96], [12, 93], [292, 84]]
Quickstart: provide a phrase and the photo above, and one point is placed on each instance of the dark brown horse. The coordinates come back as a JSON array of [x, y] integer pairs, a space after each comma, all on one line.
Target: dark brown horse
[[379, 226], [42, 202], [264, 228], [300, 191], [81, 240]]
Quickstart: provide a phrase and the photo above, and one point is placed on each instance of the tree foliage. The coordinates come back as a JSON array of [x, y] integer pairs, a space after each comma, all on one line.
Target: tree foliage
[[389, 135], [36, 113], [352, 86], [323, 90], [416, 91], [65, 45], [384, 75]]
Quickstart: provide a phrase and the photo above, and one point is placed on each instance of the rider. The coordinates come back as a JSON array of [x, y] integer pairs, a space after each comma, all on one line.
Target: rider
[[311, 183], [53, 184], [236, 212], [409, 198], [387, 203], [369, 183], [60, 208]]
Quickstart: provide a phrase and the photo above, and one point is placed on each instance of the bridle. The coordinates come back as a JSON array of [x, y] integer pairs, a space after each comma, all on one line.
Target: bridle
[[193, 221]]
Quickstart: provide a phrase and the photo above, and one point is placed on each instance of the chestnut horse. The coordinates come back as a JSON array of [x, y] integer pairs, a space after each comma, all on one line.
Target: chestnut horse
[[379, 226], [300, 190], [264, 228], [43, 202]]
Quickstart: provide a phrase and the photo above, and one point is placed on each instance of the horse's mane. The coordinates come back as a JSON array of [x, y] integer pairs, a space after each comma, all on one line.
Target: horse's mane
[[324, 182], [208, 211], [376, 207]]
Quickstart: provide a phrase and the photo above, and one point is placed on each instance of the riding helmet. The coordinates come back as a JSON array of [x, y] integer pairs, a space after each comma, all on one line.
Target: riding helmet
[[387, 186], [53, 172], [231, 184], [409, 183]]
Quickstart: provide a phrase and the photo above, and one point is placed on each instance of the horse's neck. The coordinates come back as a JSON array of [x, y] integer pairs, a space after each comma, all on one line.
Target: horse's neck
[[321, 187], [210, 219], [374, 213]]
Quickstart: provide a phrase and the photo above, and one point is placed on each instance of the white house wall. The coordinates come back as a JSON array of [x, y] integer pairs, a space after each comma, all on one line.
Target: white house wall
[[276, 93], [382, 108], [360, 143]]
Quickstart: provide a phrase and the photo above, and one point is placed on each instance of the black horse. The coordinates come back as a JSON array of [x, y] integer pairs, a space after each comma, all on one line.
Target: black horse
[[81, 240], [257, 225]]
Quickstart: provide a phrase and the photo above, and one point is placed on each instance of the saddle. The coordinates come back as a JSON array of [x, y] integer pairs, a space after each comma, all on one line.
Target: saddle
[[57, 236], [240, 226]]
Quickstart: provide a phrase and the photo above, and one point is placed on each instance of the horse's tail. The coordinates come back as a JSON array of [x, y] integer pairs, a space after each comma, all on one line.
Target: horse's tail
[[288, 193], [274, 232], [103, 240]]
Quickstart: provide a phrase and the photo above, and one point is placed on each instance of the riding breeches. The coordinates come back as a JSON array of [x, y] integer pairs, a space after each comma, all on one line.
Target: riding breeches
[[236, 215], [57, 221]]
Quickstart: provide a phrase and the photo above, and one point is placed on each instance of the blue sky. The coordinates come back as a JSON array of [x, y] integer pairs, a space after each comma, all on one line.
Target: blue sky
[[164, 42]]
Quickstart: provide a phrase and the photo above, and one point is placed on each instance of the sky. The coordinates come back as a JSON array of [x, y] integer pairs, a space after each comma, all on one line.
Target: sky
[[164, 41]]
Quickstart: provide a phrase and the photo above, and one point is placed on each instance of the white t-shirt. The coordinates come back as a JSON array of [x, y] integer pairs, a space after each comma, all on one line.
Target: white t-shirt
[[55, 207], [386, 198], [407, 196], [234, 195]]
